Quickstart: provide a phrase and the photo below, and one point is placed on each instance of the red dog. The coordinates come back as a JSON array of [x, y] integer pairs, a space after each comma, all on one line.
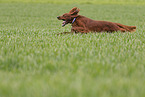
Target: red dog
[[84, 25]]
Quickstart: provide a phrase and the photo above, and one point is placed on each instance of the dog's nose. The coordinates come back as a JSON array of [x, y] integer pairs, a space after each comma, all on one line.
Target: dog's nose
[[58, 17]]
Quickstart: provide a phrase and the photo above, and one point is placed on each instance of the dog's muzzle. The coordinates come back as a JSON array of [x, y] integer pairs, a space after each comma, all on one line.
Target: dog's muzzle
[[57, 16], [63, 23]]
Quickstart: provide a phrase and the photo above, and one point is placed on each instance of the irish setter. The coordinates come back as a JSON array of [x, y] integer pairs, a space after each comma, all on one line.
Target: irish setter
[[83, 24]]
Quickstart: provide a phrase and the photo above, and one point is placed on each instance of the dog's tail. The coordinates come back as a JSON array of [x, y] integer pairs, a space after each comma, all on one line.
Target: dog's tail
[[127, 28]]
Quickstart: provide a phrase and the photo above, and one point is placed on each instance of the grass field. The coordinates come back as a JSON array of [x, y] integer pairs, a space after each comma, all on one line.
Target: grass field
[[35, 62], [77, 1]]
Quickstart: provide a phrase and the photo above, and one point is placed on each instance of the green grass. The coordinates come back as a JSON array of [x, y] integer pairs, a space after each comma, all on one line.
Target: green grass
[[78, 1], [35, 62]]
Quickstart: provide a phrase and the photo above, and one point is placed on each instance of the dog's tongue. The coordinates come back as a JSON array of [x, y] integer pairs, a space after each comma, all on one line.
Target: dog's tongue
[[63, 23]]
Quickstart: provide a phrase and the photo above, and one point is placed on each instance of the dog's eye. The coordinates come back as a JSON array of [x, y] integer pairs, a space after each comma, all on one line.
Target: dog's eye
[[64, 16]]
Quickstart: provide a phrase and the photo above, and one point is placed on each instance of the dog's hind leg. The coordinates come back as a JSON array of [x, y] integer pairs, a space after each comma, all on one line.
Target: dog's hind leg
[[122, 30], [127, 28]]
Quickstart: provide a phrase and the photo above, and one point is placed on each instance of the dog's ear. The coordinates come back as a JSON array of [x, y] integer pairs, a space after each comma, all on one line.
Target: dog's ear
[[74, 11]]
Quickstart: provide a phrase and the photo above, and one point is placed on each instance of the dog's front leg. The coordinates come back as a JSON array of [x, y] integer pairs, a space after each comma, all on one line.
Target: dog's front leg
[[65, 33], [79, 30]]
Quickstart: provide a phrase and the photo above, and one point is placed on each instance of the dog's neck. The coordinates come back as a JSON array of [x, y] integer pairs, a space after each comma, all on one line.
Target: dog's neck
[[74, 20]]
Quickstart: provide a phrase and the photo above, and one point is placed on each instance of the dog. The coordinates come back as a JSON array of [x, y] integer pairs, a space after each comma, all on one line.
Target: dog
[[82, 24]]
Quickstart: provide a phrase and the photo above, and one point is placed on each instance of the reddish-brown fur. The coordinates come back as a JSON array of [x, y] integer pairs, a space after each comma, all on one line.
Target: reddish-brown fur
[[84, 25]]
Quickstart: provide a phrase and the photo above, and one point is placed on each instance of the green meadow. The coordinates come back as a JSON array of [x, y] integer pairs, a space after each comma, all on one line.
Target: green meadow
[[36, 62]]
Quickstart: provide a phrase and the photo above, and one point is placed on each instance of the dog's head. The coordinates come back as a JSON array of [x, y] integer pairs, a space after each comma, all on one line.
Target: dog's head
[[68, 17]]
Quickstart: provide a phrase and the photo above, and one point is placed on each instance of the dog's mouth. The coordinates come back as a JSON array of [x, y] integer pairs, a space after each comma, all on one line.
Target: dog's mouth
[[64, 23]]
